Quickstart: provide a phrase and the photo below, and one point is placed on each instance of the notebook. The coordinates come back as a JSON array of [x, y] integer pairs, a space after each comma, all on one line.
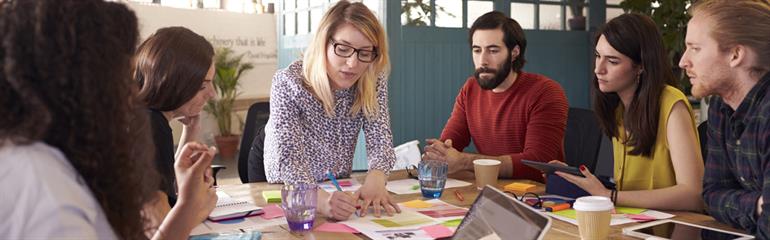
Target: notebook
[[229, 208]]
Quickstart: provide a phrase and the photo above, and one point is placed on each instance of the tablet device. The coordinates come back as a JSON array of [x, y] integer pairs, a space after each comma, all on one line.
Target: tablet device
[[496, 215], [672, 229], [549, 168]]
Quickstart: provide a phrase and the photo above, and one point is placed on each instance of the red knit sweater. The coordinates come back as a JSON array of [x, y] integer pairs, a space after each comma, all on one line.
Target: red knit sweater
[[527, 121]]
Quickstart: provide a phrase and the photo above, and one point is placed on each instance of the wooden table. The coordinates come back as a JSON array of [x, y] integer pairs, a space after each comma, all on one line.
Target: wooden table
[[559, 229]]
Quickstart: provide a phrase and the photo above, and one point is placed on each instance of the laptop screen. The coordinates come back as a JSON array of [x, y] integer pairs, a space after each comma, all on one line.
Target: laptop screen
[[496, 215]]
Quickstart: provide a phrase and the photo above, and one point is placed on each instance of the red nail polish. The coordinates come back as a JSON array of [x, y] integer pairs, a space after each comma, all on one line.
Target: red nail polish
[[582, 167]]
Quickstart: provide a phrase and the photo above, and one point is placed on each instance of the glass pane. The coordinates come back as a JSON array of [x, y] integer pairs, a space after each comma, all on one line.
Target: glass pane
[[289, 4], [179, 3], [415, 13], [476, 9], [302, 4], [288, 24], [613, 12], [449, 13], [315, 18], [302, 22], [524, 13], [579, 23], [550, 17], [209, 4], [316, 3], [373, 5]]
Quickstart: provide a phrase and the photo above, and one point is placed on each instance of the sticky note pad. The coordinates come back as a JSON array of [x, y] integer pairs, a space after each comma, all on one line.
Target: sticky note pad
[[519, 187], [335, 227], [272, 196], [417, 204], [437, 231], [345, 183], [628, 210]]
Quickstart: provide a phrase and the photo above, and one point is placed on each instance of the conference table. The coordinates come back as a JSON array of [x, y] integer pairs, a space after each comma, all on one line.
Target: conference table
[[559, 229]]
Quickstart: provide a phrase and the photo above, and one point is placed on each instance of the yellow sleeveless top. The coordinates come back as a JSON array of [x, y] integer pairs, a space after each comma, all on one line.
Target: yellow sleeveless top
[[636, 172]]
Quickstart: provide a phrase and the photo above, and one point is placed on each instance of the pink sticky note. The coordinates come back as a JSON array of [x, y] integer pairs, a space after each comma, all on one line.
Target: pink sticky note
[[437, 231], [640, 217], [335, 227], [272, 211], [345, 183]]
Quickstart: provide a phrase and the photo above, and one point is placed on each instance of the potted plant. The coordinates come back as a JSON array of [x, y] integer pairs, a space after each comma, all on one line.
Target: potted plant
[[578, 21], [228, 68]]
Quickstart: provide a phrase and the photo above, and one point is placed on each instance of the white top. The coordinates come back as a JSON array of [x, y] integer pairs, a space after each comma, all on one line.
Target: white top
[[43, 197]]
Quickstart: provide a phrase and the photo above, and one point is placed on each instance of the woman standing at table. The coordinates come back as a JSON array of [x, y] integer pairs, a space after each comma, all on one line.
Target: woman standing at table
[[74, 142], [174, 69], [318, 106], [654, 136]]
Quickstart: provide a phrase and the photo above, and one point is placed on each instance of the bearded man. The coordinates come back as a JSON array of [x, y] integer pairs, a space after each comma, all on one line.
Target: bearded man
[[509, 114]]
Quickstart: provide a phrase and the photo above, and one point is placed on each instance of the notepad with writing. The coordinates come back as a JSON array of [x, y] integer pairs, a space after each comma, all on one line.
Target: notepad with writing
[[229, 208]]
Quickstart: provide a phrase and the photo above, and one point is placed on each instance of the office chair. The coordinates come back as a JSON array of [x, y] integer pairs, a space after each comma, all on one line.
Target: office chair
[[253, 131], [582, 138], [702, 131]]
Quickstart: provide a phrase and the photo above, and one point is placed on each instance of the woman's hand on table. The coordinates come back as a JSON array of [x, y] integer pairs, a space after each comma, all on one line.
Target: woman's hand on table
[[374, 194]]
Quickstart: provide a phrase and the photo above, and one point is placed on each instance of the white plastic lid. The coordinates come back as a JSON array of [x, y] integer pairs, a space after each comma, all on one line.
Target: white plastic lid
[[593, 203], [486, 162]]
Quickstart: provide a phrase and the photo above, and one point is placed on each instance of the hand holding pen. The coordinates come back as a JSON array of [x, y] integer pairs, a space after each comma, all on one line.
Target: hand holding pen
[[341, 204]]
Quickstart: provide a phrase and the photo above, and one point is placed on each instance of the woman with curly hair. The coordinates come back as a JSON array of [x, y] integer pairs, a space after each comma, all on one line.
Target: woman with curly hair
[[73, 138]]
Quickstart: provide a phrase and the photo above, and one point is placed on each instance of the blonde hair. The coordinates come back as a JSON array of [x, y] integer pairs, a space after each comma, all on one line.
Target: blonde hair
[[739, 22], [314, 59]]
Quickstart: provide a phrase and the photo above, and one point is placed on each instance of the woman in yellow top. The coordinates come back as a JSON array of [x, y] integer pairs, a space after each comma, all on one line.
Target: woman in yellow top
[[658, 162]]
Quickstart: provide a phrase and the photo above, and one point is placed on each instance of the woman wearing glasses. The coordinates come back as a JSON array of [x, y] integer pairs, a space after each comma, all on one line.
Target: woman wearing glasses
[[318, 106]]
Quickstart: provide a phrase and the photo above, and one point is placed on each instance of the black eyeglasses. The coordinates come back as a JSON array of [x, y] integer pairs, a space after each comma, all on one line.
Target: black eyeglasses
[[529, 198], [346, 51]]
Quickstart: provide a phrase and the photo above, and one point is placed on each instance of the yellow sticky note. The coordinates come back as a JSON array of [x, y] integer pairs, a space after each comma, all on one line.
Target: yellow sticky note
[[273, 196], [417, 204], [629, 210], [519, 187]]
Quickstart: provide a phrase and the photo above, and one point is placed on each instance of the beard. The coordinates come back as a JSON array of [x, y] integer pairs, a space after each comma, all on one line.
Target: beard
[[500, 74]]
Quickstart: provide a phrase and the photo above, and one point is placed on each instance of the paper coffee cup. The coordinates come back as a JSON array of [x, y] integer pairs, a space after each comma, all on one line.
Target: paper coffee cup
[[486, 171], [593, 216]]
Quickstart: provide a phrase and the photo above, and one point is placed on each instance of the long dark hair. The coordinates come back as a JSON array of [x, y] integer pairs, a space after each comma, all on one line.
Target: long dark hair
[[637, 37], [65, 81], [170, 67]]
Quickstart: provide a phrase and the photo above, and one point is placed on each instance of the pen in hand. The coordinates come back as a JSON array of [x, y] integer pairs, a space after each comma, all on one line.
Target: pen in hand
[[337, 185]]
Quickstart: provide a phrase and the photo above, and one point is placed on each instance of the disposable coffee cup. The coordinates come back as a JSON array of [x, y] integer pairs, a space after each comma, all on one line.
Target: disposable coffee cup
[[486, 171], [593, 216]]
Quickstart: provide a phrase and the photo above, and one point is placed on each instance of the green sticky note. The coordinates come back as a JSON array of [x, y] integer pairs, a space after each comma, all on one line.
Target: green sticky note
[[629, 210], [452, 223], [272, 196], [569, 213]]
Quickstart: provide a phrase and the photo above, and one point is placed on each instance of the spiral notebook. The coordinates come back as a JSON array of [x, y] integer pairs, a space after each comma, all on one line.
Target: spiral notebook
[[229, 208]]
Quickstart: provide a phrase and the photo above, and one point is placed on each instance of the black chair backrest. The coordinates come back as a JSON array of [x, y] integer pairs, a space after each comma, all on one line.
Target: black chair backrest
[[256, 119], [702, 131], [582, 138]]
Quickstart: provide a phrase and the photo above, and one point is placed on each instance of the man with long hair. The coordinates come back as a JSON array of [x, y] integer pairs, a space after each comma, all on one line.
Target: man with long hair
[[728, 55]]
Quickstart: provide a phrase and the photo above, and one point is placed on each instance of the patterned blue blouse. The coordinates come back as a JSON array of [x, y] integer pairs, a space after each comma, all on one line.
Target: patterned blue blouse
[[302, 142]]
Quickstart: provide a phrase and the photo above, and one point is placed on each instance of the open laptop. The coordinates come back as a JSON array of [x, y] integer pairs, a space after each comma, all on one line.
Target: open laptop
[[496, 215]]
